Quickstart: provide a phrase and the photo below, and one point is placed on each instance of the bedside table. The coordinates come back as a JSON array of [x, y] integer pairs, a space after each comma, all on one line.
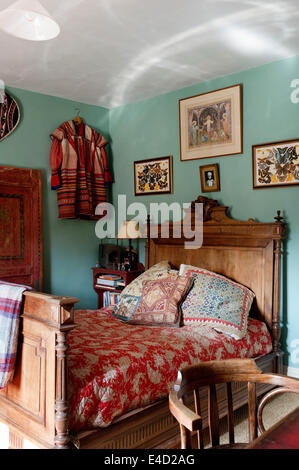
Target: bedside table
[[127, 276]]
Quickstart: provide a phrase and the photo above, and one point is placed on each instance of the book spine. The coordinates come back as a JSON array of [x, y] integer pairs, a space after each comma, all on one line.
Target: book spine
[[113, 288], [110, 298], [106, 283]]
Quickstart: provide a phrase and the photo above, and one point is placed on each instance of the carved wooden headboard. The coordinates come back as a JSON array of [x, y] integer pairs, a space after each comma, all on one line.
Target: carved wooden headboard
[[247, 252], [20, 226]]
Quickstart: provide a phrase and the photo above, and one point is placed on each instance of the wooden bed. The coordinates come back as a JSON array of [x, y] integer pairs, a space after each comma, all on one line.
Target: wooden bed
[[35, 405]]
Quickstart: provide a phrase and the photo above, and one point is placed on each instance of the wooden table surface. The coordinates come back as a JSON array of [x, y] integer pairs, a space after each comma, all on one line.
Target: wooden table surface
[[283, 435]]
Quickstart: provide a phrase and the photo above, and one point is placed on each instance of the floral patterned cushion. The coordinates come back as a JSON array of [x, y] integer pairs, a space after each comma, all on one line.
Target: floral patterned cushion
[[126, 307], [131, 294], [159, 303], [216, 301]]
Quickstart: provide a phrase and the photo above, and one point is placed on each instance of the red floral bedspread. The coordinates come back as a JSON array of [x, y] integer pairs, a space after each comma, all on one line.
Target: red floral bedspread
[[115, 367]]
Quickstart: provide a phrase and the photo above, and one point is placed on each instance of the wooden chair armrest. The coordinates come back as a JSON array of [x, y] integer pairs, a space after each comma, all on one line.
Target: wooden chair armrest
[[184, 415]]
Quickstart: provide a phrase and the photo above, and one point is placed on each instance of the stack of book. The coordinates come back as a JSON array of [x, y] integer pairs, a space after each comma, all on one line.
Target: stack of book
[[110, 298], [111, 281]]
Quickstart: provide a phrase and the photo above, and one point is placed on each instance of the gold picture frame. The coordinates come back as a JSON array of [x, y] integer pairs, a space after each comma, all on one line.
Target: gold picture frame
[[209, 177], [211, 124], [153, 176]]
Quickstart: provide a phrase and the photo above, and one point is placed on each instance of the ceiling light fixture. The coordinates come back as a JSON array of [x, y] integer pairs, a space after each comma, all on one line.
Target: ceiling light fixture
[[248, 42], [28, 19]]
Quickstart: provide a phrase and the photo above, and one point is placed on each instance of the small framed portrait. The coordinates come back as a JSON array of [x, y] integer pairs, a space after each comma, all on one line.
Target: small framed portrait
[[209, 177], [153, 176]]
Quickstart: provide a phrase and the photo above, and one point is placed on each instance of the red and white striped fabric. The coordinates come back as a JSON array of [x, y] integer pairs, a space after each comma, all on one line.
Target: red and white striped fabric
[[79, 169]]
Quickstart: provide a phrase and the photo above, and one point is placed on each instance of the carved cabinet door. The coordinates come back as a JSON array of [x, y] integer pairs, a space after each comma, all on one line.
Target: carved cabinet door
[[20, 226]]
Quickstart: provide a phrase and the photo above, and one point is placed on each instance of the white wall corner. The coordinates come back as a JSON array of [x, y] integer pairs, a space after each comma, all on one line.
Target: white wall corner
[[291, 371]]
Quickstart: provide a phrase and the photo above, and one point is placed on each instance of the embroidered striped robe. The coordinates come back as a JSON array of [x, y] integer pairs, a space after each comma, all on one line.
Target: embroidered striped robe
[[79, 170]]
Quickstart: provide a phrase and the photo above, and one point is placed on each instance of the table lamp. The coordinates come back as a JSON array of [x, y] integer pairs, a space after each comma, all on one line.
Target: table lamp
[[129, 230]]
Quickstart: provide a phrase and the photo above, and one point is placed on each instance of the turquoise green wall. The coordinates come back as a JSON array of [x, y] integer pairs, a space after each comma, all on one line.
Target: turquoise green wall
[[151, 129], [70, 247]]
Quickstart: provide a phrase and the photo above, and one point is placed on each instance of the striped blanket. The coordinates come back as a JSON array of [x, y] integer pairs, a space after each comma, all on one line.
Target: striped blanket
[[10, 309]]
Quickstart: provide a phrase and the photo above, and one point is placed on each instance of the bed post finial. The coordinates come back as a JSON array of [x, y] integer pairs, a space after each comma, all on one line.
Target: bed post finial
[[278, 218], [147, 242]]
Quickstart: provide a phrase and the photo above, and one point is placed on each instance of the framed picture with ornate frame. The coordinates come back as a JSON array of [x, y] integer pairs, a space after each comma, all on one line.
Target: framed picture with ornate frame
[[153, 176], [275, 164], [211, 124], [209, 177]]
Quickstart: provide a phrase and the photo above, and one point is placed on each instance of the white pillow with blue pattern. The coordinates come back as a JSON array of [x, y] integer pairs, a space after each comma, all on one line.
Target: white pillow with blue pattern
[[216, 301]]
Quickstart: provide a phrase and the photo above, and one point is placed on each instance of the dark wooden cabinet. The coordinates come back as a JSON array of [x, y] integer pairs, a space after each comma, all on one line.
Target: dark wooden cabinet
[[20, 226], [127, 276]]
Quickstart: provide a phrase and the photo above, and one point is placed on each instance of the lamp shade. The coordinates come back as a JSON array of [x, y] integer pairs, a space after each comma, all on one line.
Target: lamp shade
[[28, 19], [129, 229]]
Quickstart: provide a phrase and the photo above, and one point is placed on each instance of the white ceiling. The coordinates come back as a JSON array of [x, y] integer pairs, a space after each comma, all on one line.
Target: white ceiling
[[112, 52]]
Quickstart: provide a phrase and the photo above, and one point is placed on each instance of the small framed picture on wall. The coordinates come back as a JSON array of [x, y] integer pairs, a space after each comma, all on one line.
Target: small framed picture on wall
[[153, 176], [209, 177]]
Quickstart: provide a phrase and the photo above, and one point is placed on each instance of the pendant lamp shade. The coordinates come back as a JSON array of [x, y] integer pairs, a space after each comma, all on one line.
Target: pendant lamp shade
[[28, 19]]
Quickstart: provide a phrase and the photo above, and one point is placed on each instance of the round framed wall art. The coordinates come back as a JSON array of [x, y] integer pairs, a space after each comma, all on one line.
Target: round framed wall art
[[9, 114]]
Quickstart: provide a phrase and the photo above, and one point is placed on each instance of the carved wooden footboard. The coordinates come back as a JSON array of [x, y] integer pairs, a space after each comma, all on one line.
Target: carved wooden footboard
[[34, 404]]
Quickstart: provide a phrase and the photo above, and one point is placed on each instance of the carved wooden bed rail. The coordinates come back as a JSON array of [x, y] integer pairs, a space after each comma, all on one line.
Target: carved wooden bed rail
[[35, 404]]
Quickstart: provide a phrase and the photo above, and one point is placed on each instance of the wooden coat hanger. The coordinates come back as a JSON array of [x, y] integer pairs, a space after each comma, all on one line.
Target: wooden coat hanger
[[77, 120]]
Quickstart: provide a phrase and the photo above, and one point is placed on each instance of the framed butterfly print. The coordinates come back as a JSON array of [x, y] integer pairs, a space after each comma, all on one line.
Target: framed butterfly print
[[153, 176], [275, 164]]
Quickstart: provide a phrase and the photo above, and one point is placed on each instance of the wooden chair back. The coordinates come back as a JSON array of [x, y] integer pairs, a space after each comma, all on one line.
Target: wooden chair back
[[192, 378]]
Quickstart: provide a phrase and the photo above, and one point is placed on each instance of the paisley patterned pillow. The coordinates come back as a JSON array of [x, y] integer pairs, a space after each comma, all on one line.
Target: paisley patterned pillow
[[160, 301], [158, 271], [131, 294], [216, 301]]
